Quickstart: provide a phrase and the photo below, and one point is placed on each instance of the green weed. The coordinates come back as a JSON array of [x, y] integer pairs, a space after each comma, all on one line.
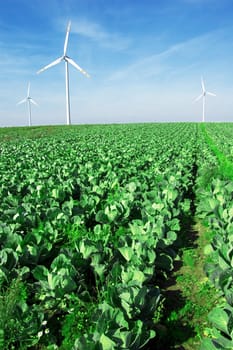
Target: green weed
[[13, 316], [188, 257], [76, 322], [159, 312]]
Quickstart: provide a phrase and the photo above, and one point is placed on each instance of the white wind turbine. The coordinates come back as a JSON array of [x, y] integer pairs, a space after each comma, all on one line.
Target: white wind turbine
[[203, 96], [29, 100], [67, 60]]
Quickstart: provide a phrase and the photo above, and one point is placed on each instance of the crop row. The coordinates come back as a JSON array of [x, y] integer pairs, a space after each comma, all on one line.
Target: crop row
[[222, 135], [215, 207]]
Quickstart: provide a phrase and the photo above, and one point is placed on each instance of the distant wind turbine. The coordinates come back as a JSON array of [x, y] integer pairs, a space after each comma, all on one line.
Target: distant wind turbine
[[67, 60], [29, 100], [203, 96]]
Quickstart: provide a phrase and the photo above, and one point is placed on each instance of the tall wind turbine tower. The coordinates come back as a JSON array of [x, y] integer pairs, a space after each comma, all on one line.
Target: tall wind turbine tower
[[28, 100], [203, 96], [67, 60]]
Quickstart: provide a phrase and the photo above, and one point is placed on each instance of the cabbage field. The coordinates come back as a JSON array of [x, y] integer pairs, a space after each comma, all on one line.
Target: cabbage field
[[92, 219]]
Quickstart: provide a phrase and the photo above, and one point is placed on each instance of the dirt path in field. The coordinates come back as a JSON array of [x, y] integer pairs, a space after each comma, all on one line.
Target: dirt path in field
[[188, 296]]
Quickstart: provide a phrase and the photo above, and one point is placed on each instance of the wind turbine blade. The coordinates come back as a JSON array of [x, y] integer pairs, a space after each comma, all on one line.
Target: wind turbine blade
[[210, 93], [202, 84], [28, 89], [67, 37], [77, 66], [58, 60], [22, 101], [198, 98], [34, 102]]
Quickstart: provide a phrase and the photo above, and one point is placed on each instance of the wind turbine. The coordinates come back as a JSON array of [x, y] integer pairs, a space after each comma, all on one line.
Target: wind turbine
[[29, 100], [67, 60], [203, 96]]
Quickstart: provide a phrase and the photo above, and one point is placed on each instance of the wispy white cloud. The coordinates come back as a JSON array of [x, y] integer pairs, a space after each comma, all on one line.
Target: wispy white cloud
[[98, 33], [176, 57]]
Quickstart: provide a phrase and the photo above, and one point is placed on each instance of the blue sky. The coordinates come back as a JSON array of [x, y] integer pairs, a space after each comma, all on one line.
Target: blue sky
[[145, 58]]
